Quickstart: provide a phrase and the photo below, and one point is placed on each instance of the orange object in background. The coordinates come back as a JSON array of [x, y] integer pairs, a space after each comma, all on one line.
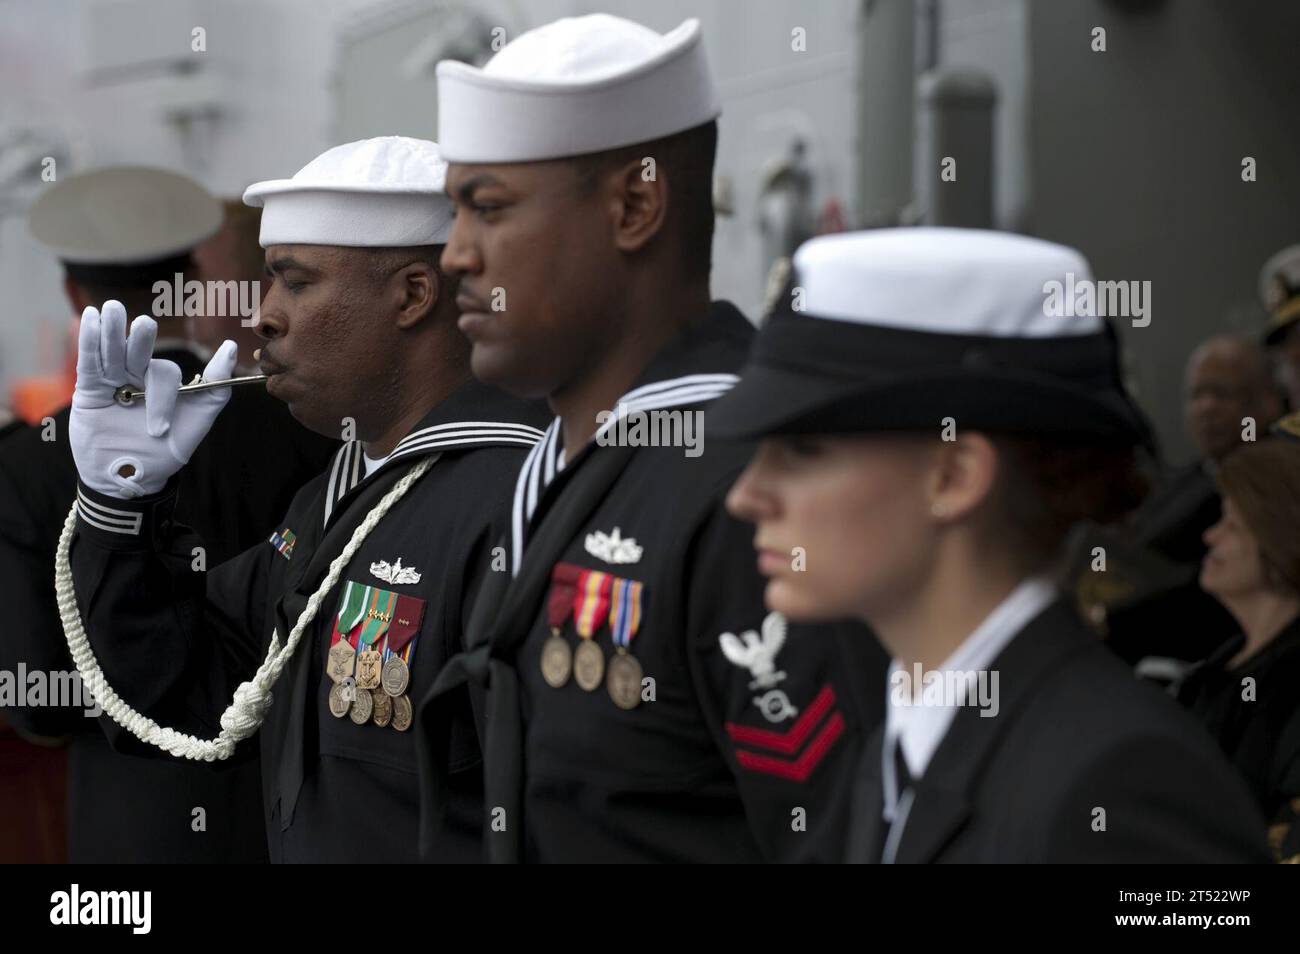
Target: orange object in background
[[33, 399], [40, 395]]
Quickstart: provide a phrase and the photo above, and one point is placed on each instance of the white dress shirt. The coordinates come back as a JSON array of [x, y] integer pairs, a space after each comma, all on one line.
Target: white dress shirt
[[373, 464], [917, 729], [920, 728]]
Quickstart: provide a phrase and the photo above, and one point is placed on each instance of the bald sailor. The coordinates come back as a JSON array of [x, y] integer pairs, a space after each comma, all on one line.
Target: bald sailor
[[119, 232], [316, 639]]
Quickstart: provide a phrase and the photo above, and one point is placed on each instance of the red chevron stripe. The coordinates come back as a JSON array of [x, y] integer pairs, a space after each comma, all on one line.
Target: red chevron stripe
[[792, 740], [802, 767]]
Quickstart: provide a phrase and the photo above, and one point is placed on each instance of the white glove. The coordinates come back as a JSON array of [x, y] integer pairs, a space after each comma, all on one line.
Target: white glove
[[133, 451]]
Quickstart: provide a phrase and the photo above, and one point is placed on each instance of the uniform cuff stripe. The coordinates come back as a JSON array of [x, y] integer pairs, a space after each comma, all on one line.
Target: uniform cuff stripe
[[106, 518]]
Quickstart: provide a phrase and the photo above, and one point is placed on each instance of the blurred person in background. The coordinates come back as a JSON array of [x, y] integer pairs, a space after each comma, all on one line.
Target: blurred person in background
[[118, 231], [232, 254], [1279, 291], [1229, 379], [1248, 692], [1231, 396]]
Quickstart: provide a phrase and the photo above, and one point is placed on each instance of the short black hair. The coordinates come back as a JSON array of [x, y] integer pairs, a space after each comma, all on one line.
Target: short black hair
[[688, 158], [132, 285], [385, 261]]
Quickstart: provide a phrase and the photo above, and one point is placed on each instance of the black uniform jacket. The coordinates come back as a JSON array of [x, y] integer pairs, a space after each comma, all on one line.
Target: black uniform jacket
[[1173, 519], [741, 747], [123, 809], [1253, 711], [1183, 621], [1082, 763], [175, 643]]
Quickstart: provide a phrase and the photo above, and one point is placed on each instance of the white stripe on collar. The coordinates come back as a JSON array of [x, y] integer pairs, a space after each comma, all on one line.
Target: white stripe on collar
[[346, 473], [485, 428], [546, 460], [343, 475]]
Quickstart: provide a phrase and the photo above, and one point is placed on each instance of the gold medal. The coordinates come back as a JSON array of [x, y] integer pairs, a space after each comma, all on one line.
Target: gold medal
[[339, 666], [383, 708], [590, 608], [557, 660], [339, 703], [396, 676], [624, 680], [402, 713], [362, 706], [369, 664], [588, 665]]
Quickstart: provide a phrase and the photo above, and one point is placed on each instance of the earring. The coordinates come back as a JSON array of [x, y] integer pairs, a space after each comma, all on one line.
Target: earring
[[938, 510]]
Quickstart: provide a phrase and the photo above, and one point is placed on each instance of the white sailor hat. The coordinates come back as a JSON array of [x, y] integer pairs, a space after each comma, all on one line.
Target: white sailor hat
[[376, 193], [108, 224], [1279, 290], [897, 329], [575, 86]]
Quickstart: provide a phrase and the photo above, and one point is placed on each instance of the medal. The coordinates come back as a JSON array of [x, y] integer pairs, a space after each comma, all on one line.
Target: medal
[[352, 609], [624, 681], [362, 706], [590, 609], [402, 713], [557, 660], [368, 667], [625, 673], [399, 645], [379, 614], [339, 703], [588, 665], [396, 676], [339, 666], [383, 708], [557, 657]]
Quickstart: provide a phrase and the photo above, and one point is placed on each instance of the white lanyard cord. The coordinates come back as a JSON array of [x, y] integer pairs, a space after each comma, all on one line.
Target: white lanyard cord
[[253, 698]]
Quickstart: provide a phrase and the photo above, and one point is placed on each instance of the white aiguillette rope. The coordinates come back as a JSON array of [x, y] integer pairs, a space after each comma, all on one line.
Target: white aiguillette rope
[[252, 698]]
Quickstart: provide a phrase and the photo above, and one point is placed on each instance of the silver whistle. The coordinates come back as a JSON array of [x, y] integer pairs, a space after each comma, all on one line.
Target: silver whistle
[[127, 395]]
